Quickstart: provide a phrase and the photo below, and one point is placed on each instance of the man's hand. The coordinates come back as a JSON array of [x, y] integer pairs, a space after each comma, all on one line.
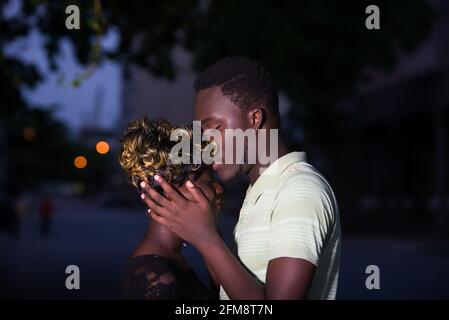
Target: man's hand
[[191, 219]]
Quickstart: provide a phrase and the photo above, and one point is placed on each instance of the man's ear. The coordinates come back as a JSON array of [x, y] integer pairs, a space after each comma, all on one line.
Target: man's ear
[[257, 118]]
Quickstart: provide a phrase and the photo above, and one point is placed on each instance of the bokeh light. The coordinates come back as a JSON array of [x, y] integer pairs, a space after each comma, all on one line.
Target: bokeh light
[[102, 147], [80, 162]]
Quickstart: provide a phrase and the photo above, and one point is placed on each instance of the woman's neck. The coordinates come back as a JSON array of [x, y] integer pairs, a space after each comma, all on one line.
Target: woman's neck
[[159, 240]]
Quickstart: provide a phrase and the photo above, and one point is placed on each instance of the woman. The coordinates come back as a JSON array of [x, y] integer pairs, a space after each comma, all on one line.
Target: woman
[[156, 268]]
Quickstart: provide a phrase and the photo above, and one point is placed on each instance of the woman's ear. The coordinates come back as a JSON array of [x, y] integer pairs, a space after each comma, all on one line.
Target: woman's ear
[[257, 118]]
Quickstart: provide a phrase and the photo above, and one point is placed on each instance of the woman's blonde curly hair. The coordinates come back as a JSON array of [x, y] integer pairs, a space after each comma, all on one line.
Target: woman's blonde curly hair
[[145, 152]]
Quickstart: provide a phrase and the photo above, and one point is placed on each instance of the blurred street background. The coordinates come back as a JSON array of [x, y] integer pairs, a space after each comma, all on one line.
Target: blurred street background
[[98, 240], [370, 107]]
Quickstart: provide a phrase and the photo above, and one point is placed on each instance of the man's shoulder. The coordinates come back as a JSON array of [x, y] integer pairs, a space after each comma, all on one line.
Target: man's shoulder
[[303, 192], [302, 176]]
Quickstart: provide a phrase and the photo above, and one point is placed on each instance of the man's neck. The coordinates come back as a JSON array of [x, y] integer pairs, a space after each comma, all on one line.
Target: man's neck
[[254, 172]]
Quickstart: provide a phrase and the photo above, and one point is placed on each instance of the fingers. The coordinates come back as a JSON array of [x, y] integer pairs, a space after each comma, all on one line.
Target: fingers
[[146, 188], [169, 191], [161, 220], [155, 207], [196, 192], [157, 197]]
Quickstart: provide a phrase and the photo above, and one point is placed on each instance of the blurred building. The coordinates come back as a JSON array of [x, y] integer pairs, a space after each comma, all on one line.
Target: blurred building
[[391, 172], [3, 173], [395, 163], [102, 176], [146, 95]]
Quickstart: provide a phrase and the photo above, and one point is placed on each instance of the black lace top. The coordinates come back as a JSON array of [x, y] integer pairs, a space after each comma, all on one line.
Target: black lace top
[[154, 277]]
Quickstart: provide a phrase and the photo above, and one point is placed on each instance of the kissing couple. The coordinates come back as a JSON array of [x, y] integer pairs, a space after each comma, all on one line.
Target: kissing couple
[[288, 234]]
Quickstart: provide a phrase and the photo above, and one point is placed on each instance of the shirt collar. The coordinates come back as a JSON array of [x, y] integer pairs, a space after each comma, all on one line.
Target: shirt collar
[[272, 173]]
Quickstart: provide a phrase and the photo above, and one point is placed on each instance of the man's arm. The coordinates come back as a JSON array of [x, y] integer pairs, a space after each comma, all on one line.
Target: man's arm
[[287, 278]]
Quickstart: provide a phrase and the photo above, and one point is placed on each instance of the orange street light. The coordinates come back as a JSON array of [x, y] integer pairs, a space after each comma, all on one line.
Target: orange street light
[[102, 147], [80, 162]]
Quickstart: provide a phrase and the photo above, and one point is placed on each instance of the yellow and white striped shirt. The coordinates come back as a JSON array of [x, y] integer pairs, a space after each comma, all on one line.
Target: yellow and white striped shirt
[[291, 211]]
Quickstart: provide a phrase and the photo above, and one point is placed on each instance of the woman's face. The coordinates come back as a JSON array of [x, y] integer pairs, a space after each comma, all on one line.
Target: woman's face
[[210, 187]]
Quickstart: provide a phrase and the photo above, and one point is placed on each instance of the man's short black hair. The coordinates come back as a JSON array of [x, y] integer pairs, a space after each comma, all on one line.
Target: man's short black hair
[[244, 81]]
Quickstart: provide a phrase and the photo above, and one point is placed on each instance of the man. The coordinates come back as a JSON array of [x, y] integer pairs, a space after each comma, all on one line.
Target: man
[[288, 233]]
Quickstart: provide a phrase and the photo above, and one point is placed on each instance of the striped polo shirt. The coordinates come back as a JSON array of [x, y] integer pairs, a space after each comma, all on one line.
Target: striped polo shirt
[[291, 211]]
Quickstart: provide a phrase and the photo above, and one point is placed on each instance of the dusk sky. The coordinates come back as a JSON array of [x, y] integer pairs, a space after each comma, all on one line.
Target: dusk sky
[[73, 105]]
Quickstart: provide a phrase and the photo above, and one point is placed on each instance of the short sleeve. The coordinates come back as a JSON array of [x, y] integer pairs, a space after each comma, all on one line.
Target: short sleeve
[[301, 218]]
